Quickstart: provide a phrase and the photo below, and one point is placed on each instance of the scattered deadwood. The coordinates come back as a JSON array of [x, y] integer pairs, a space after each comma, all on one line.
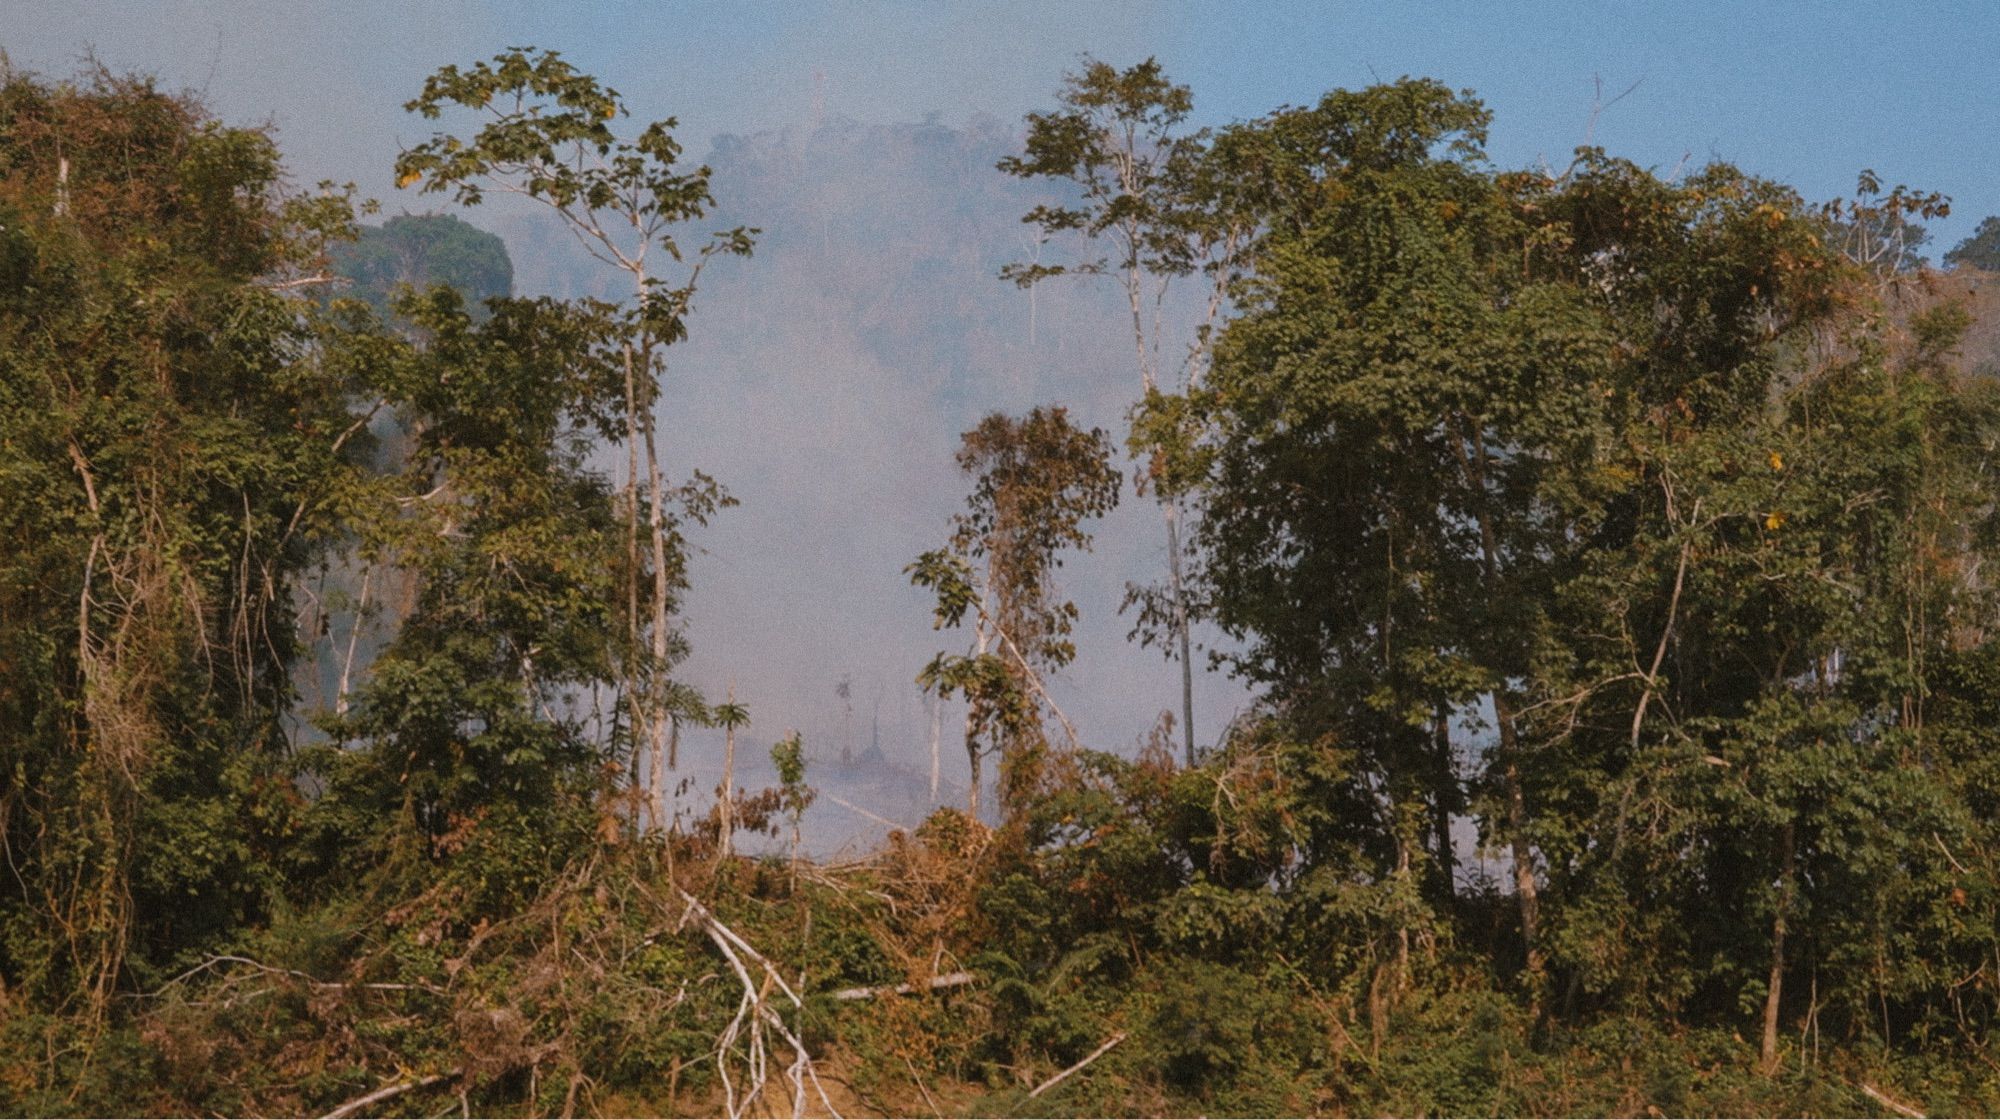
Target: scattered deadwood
[[391, 1092], [746, 1030], [936, 983], [1888, 1102], [1087, 1059]]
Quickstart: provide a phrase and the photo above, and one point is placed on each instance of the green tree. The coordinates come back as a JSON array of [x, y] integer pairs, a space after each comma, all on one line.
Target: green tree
[[1379, 448], [546, 136], [1795, 780], [1583, 456], [172, 439], [1167, 212], [788, 757], [1878, 231], [1981, 250], [1036, 479], [470, 718]]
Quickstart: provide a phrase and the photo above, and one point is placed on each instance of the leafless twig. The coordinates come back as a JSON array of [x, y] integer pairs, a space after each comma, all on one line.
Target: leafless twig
[[1087, 1059]]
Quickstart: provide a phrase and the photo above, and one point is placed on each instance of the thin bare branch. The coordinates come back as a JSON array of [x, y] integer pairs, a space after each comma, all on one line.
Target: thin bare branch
[[1087, 1059], [390, 1092]]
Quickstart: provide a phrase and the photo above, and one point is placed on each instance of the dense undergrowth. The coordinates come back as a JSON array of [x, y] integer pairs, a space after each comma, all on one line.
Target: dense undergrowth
[[590, 987]]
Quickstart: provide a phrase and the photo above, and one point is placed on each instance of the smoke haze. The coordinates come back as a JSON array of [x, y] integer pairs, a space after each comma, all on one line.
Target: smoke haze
[[828, 377], [825, 384]]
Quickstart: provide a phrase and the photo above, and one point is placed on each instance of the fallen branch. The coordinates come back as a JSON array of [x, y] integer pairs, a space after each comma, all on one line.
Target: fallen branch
[[391, 1092], [948, 980], [919, 1083], [1087, 1059], [853, 808], [307, 978], [1883, 1099], [755, 1012]]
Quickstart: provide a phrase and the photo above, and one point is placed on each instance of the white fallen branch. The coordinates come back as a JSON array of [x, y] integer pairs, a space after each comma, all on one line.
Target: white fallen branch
[[853, 808], [1886, 1101], [948, 980], [1087, 1059], [755, 1012], [303, 977], [391, 1092]]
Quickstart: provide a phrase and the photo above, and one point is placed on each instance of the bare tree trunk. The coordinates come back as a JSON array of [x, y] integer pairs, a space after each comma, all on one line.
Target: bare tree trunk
[[972, 757], [1135, 296], [725, 807], [657, 523], [353, 634], [937, 716], [642, 397], [637, 704], [1441, 801], [1774, 992], [656, 776], [1525, 892], [1169, 507], [1180, 622]]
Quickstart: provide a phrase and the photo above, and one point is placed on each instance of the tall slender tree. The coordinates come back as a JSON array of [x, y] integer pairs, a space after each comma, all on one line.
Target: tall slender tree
[[547, 137], [729, 715], [1036, 480], [1149, 194], [466, 719]]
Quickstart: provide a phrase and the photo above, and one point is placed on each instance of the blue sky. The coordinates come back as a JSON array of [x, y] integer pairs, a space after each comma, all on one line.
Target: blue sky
[[1807, 93]]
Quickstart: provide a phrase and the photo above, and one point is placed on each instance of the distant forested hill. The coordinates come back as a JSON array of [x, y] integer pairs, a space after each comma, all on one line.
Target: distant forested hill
[[420, 250], [1975, 263]]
